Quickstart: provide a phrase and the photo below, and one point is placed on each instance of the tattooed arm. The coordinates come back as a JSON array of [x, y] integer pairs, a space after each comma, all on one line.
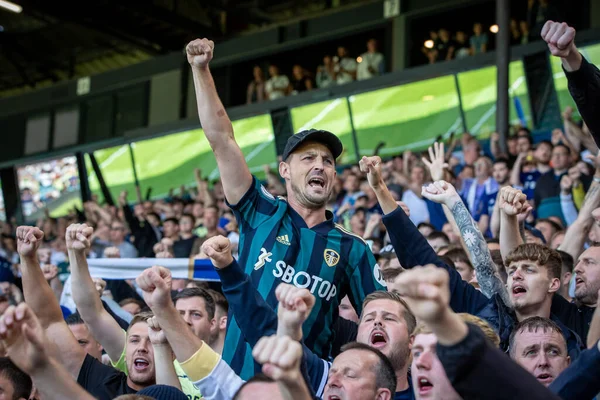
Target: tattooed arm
[[478, 251], [474, 242]]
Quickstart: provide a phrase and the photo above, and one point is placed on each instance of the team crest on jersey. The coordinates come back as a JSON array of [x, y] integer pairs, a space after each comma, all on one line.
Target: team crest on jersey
[[331, 257]]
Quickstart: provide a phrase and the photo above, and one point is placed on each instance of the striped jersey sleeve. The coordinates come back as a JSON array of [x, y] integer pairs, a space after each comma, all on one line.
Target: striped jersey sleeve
[[255, 207]]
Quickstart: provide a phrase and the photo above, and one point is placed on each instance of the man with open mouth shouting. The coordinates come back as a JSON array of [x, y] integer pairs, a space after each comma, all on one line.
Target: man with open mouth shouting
[[293, 239]]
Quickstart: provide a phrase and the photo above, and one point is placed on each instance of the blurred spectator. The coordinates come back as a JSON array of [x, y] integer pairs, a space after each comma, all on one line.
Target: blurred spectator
[[524, 27], [256, 88], [117, 239], [479, 40], [430, 53], [444, 46], [277, 86], [345, 67], [326, 73], [515, 33], [538, 12], [462, 46], [301, 81], [371, 63]]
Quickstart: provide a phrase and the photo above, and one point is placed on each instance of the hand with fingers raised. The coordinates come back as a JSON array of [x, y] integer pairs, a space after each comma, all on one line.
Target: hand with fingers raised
[[436, 164]]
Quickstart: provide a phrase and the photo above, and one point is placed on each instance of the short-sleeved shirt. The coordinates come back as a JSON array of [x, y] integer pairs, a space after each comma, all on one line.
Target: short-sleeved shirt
[[277, 246], [101, 381]]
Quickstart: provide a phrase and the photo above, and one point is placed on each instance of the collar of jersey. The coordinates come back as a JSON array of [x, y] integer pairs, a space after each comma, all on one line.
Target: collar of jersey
[[324, 227]]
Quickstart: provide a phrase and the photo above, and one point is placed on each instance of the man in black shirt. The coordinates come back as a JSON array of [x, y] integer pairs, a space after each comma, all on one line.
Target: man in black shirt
[[578, 314], [101, 381]]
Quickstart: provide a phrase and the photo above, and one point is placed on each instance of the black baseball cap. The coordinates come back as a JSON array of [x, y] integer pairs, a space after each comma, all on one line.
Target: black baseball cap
[[332, 142]]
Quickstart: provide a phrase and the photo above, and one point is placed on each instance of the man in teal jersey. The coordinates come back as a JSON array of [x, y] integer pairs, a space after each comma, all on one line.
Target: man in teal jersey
[[294, 240]]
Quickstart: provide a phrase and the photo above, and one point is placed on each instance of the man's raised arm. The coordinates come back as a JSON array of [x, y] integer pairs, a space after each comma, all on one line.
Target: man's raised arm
[[38, 295], [217, 127], [102, 325]]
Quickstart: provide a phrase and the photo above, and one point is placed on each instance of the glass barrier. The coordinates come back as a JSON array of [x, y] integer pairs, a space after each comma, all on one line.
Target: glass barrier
[[592, 54], [168, 162], [115, 165], [330, 115], [408, 116], [257, 140], [51, 185], [479, 95]]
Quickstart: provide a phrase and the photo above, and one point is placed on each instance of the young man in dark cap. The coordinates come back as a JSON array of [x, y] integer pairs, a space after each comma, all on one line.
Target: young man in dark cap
[[294, 240]]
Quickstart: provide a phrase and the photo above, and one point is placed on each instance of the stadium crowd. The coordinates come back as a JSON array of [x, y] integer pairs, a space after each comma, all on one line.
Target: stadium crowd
[[337, 70], [446, 275]]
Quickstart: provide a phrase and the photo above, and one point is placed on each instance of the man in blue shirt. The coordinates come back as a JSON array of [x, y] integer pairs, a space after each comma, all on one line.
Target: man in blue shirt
[[291, 240]]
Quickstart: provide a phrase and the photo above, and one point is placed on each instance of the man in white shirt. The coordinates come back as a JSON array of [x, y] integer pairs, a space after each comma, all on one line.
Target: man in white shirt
[[345, 67], [372, 62], [278, 85]]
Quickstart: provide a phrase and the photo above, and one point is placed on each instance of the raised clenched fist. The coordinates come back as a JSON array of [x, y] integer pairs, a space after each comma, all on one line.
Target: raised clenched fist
[[78, 237], [29, 239], [560, 38], [372, 166], [218, 249], [155, 284], [425, 289], [511, 201], [280, 357], [200, 52], [295, 305]]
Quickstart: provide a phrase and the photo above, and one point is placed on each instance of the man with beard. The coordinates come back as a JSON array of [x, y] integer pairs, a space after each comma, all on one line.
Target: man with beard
[[579, 314], [385, 326], [331, 262], [386, 323], [101, 381]]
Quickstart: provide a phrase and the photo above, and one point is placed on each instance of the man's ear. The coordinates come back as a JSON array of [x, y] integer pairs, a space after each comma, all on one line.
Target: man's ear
[[223, 323], [554, 285], [383, 394], [284, 170]]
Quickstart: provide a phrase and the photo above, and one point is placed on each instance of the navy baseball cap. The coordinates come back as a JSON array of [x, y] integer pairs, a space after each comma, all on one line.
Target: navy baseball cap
[[326, 138]]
